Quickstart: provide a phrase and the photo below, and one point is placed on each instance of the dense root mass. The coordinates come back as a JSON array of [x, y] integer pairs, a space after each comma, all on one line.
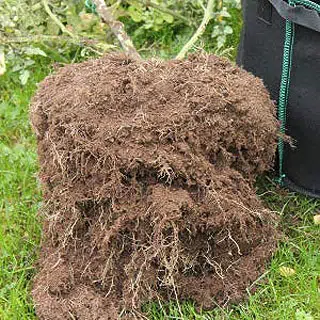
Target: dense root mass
[[148, 170]]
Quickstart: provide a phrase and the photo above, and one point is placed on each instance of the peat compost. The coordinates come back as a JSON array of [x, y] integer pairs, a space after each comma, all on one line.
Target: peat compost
[[148, 170]]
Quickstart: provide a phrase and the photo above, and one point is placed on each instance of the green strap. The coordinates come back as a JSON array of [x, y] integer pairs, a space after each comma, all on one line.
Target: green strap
[[308, 4], [284, 90], [285, 79]]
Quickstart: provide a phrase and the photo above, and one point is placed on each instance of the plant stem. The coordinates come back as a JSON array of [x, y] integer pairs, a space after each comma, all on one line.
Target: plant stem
[[56, 20], [206, 18], [117, 28], [37, 38]]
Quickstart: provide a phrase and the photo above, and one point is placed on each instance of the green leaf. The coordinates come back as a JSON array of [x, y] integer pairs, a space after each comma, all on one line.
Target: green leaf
[[228, 30], [17, 67], [221, 40], [24, 76], [33, 51], [216, 31], [135, 15], [168, 18], [29, 63], [224, 13], [302, 315], [158, 20]]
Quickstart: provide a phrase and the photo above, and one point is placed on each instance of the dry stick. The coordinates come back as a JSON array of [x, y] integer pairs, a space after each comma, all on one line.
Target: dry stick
[[199, 32], [40, 38], [56, 20], [45, 38], [117, 28]]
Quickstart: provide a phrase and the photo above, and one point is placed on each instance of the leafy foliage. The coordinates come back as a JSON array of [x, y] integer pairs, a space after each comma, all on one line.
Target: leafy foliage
[[28, 32], [151, 27]]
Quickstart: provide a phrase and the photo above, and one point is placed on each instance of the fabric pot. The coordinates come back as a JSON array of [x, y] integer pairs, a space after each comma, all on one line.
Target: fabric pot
[[281, 44]]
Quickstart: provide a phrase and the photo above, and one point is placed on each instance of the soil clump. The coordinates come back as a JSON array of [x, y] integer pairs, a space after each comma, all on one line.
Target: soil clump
[[148, 170]]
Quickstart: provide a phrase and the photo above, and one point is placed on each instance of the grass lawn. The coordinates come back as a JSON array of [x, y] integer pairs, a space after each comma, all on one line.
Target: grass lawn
[[278, 295]]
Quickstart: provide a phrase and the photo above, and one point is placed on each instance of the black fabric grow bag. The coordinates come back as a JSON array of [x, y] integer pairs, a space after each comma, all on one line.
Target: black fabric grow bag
[[261, 52]]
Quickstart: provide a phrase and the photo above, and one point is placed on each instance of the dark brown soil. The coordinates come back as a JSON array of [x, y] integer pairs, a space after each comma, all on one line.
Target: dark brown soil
[[148, 170]]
